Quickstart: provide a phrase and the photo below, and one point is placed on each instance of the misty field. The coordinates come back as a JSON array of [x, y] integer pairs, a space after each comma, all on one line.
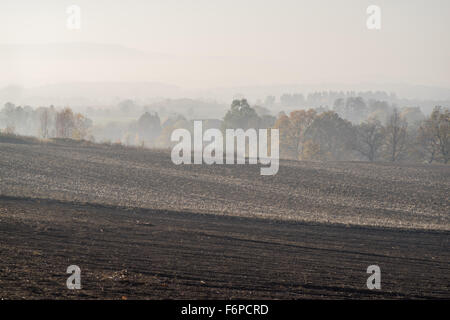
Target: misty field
[[140, 227]]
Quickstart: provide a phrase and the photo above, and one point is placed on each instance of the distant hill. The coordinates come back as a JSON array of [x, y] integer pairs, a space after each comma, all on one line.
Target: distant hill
[[87, 93], [80, 74]]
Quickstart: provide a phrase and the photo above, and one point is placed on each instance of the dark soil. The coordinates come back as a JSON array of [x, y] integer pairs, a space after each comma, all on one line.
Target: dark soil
[[140, 227], [148, 254]]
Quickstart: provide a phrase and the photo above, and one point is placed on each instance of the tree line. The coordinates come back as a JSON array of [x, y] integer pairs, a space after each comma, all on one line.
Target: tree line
[[355, 129], [387, 134], [45, 122]]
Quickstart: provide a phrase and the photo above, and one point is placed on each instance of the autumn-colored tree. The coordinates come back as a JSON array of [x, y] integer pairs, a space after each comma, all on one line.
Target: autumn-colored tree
[[65, 123], [292, 129], [10, 130], [70, 125], [168, 127], [311, 151], [82, 126], [287, 141]]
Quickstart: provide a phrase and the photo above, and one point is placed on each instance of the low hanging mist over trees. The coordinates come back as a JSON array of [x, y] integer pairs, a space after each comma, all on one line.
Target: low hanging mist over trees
[[322, 126], [45, 122]]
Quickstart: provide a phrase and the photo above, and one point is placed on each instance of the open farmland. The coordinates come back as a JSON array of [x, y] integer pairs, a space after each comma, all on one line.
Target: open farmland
[[141, 227]]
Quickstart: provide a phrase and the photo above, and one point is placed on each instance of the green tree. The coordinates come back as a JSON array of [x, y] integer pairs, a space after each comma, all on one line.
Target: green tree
[[331, 135], [241, 116]]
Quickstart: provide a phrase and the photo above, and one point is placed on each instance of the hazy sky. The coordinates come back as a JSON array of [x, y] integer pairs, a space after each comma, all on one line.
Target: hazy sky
[[208, 43]]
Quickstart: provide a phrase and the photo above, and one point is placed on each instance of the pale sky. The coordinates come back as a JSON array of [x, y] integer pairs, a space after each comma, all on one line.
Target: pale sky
[[209, 43]]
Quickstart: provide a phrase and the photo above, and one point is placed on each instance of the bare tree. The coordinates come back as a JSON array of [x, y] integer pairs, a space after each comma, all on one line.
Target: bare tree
[[434, 135], [369, 139], [426, 144], [44, 123], [396, 137]]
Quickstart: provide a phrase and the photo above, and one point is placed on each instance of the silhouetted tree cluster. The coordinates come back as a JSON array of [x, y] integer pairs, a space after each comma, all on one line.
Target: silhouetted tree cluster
[[241, 115]]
